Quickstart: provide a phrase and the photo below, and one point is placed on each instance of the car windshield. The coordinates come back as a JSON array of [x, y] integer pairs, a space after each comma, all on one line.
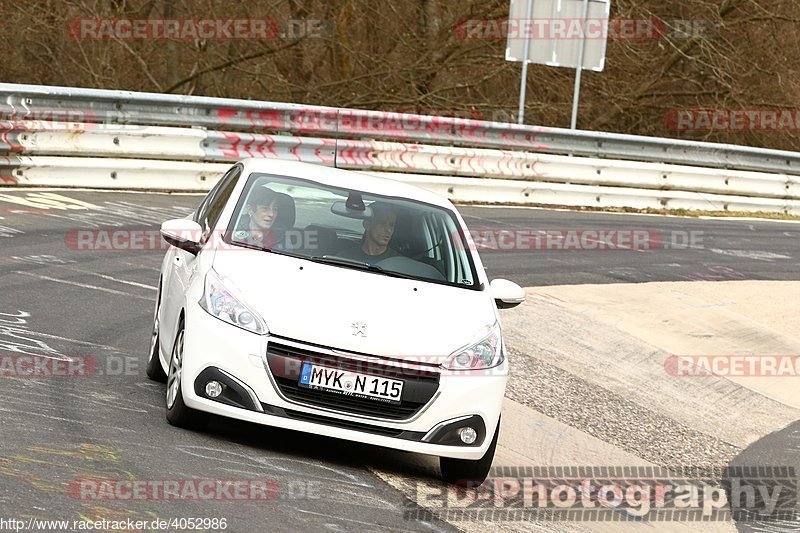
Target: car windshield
[[352, 229]]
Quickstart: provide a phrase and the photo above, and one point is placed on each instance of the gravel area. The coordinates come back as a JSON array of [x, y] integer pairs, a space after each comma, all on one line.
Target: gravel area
[[612, 418]]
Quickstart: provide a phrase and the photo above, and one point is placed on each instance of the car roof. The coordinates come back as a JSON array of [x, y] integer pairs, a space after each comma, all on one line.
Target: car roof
[[343, 178]]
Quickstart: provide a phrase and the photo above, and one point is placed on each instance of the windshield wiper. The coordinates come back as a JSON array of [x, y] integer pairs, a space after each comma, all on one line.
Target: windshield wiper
[[247, 245], [270, 250], [331, 260], [285, 252], [352, 263]]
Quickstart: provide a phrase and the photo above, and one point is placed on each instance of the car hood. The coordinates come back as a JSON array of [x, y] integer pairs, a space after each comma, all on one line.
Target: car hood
[[319, 304]]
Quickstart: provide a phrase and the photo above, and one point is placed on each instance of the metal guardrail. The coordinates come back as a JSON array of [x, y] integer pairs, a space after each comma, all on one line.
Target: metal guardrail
[[111, 173], [191, 144], [126, 107], [119, 139]]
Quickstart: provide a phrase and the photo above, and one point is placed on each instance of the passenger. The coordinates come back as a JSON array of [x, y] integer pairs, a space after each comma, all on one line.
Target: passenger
[[262, 211], [378, 231]]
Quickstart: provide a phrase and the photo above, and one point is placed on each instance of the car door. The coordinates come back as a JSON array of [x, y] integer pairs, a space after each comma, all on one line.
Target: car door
[[181, 266]]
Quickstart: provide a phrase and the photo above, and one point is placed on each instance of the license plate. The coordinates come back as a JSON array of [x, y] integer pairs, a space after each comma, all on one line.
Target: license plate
[[351, 383]]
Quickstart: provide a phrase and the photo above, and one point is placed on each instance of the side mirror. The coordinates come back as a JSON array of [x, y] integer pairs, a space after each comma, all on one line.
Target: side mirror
[[506, 294], [183, 233]]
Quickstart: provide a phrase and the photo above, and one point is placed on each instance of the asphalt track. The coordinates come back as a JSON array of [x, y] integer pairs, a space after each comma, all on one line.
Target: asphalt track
[[58, 300]]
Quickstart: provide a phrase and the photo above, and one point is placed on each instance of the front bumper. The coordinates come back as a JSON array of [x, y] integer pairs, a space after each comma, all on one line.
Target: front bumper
[[239, 357]]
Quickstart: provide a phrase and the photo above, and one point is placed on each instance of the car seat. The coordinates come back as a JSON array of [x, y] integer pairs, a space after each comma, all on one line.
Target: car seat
[[286, 211], [402, 240], [324, 240]]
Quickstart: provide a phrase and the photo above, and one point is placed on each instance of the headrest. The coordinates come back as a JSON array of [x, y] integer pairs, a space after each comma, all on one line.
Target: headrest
[[286, 212]]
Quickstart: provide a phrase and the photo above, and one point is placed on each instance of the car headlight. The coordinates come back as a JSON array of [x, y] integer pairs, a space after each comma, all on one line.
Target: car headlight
[[222, 301], [486, 353]]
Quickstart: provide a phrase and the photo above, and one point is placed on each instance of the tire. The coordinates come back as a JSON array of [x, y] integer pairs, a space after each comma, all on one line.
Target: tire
[[466, 472], [154, 369], [178, 414]]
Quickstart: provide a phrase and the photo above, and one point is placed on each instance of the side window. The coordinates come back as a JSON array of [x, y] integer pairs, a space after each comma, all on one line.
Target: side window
[[202, 210], [210, 210], [459, 255], [430, 241]]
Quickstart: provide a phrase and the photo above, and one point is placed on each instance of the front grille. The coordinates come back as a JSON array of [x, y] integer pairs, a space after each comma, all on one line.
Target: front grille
[[285, 363]]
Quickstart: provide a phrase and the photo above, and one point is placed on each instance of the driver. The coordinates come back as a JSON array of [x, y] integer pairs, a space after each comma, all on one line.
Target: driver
[[378, 231]]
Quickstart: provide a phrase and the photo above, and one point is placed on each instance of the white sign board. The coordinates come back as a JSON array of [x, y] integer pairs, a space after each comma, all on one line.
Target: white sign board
[[556, 32]]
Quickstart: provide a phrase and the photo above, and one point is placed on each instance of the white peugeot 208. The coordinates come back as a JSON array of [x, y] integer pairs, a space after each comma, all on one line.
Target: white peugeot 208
[[335, 303]]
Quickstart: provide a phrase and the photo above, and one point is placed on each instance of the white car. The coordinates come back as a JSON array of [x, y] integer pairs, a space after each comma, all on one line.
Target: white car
[[335, 303]]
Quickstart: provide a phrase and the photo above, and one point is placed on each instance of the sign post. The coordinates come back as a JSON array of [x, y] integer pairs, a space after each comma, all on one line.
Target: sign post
[[523, 84], [556, 33], [576, 92]]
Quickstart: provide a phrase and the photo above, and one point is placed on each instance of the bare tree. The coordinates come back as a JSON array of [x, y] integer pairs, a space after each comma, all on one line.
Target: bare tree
[[409, 55]]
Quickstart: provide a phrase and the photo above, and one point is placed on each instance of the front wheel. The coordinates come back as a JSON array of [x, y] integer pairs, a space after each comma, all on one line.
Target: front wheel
[[466, 472], [178, 414], [154, 370]]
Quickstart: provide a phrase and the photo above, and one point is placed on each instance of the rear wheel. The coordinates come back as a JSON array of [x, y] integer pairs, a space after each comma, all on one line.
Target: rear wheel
[[466, 472], [178, 414], [154, 369]]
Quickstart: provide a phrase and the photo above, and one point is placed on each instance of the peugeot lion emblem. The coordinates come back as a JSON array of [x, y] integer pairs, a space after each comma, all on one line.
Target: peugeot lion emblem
[[359, 329]]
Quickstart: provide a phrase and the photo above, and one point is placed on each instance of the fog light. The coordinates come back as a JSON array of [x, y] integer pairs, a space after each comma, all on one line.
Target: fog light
[[214, 389], [468, 435]]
